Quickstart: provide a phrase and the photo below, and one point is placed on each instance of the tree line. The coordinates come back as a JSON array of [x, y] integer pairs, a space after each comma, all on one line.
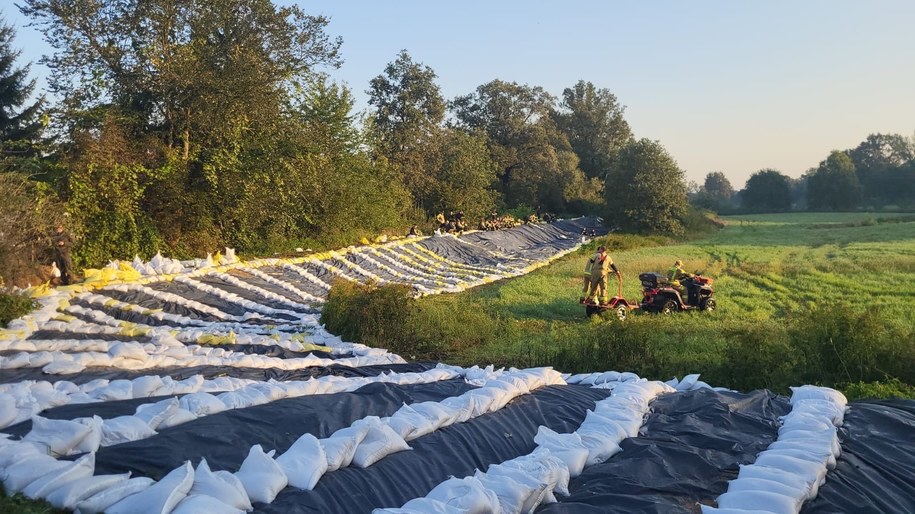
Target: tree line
[[878, 174], [183, 126]]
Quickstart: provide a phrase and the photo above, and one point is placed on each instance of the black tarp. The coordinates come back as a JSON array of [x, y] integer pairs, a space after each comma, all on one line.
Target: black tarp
[[244, 276], [225, 438], [691, 447], [192, 293], [295, 279], [455, 450], [252, 296], [148, 301], [178, 373], [876, 471], [52, 335]]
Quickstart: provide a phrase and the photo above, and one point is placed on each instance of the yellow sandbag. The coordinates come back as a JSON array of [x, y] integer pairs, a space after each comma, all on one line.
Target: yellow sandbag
[[127, 272], [40, 290], [216, 339], [364, 240], [311, 347]]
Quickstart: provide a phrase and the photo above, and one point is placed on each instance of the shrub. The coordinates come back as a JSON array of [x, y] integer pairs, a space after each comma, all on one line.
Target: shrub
[[13, 306], [28, 214], [891, 388]]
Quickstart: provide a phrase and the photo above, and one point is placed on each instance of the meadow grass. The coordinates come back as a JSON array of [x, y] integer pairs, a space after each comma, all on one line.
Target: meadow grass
[[803, 298]]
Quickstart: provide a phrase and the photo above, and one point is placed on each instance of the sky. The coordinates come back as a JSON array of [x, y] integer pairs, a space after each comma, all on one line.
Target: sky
[[724, 85]]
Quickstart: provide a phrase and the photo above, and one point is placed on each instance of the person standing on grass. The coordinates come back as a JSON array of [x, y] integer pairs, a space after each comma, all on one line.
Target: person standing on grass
[[62, 245], [599, 270]]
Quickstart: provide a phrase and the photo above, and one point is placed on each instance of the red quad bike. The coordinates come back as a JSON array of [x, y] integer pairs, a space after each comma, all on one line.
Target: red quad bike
[[618, 305], [661, 297]]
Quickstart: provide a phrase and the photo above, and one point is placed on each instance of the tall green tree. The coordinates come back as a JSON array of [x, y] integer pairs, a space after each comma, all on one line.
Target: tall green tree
[[767, 190], [715, 193], [537, 166], [593, 121], [19, 118], [645, 190], [407, 121], [834, 185], [879, 161]]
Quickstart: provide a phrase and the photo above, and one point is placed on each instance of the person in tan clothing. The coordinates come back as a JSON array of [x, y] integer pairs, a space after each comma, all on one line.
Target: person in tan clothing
[[596, 270]]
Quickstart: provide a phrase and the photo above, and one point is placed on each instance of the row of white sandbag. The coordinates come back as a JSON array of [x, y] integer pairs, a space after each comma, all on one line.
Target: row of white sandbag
[[22, 401], [521, 484], [792, 469], [363, 443]]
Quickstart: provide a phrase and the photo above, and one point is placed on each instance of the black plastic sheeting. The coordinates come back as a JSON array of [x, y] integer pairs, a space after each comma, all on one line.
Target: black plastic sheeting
[[179, 373], [691, 447], [192, 293], [148, 301], [252, 296], [60, 334], [455, 450], [225, 438], [457, 251], [104, 410], [295, 279], [876, 471], [132, 316], [246, 277]]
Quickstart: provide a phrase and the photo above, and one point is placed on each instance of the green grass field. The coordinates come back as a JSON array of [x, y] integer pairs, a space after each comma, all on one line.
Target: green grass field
[[812, 298]]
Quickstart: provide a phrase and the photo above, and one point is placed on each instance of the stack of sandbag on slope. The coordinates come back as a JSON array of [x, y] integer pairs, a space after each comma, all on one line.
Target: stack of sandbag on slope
[[791, 470]]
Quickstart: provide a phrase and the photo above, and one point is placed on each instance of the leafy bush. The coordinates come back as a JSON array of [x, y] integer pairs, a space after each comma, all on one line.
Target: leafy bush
[[28, 214], [891, 388], [13, 306]]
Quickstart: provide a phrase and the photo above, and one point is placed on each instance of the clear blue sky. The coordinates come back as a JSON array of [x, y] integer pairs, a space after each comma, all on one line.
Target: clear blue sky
[[724, 85]]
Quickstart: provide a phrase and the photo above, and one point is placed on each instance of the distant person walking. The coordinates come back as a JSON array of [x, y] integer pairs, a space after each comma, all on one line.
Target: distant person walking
[[62, 246]]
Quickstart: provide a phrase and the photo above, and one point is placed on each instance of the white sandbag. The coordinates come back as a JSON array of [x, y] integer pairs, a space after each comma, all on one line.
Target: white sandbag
[[543, 465], [304, 462], [113, 494], [132, 351], [63, 367], [8, 410], [600, 448], [809, 471], [535, 488], [762, 484], [12, 453], [123, 429], [777, 475], [68, 495], [760, 500], [188, 385], [467, 494], [596, 425], [262, 477], [115, 390], [437, 414], [688, 382], [155, 413], [202, 504], [201, 404], [224, 486], [421, 506], [804, 421], [298, 388], [810, 392], [379, 442], [807, 445], [512, 495], [567, 447], [19, 475], [58, 435], [146, 386], [410, 424], [180, 416], [82, 467], [707, 509], [824, 439], [161, 497], [824, 456], [341, 445], [832, 410], [93, 439]]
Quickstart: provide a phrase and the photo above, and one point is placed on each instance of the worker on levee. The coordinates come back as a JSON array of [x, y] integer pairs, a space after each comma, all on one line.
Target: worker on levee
[[600, 266]]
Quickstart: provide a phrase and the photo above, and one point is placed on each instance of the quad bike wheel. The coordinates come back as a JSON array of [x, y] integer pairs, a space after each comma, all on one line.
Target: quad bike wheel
[[669, 307], [622, 312], [708, 304]]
